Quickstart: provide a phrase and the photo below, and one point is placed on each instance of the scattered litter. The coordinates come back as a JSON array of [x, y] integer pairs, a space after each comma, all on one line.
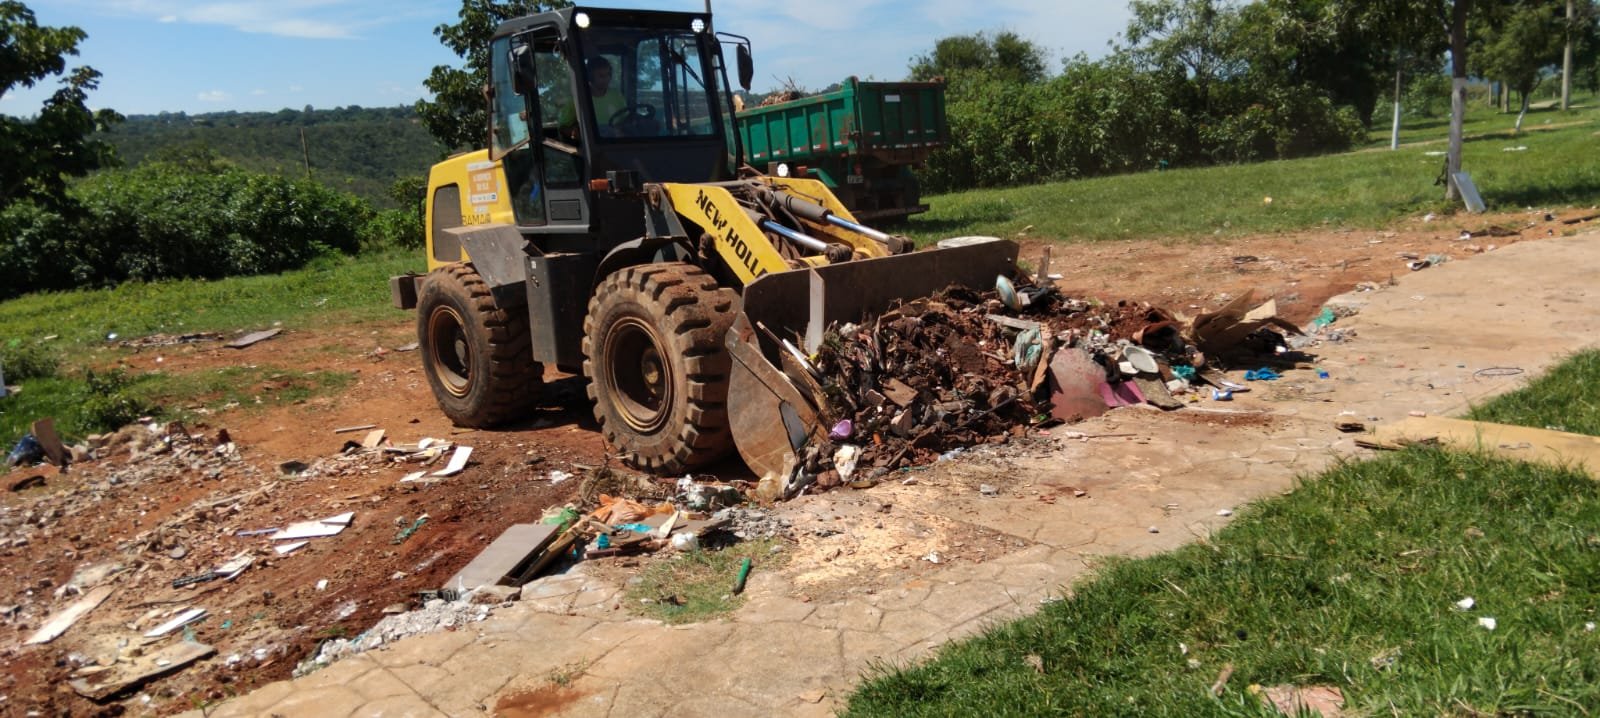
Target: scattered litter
[[330, 526], [1154, 530], [1487, 622], [1348, 426], [933, 557], [1219, 395], [1262, 374], [988, 490], [685, 542], [1431, 260], [413, 476], [407, 347], [744, 575], [558, 476], [458, 461], [322, 584], [405, 533], [182, 619], [373, 440], [291, 547], [252, 338], [1466, 604], [1224, 512], [123, 677]]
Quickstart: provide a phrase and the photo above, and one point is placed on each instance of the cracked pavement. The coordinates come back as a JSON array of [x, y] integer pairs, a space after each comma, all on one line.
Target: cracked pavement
[[1153, 481]]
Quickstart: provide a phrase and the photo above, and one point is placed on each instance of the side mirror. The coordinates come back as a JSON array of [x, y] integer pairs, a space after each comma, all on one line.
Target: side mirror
[[747, 69], [523, 77]]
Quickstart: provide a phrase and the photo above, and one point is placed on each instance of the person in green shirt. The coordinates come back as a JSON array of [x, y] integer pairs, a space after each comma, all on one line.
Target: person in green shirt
[[608, 101]]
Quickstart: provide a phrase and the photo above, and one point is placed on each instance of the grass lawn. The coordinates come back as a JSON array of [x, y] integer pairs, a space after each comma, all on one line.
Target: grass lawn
[[329, 292], [1350, 581], [1565, 399], [1363, 189]]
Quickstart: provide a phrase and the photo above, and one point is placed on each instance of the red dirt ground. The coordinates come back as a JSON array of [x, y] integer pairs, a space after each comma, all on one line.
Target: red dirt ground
[[274, 605]]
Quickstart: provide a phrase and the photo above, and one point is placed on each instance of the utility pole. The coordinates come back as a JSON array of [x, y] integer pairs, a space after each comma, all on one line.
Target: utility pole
[[1566, 61], [305, 151]]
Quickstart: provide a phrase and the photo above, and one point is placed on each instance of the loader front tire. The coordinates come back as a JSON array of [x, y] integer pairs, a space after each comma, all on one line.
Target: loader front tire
[[657, 365], [478, 356]]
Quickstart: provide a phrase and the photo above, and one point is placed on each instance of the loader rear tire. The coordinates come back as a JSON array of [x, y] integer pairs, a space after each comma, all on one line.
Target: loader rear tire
[[478, 356], [657, 365]]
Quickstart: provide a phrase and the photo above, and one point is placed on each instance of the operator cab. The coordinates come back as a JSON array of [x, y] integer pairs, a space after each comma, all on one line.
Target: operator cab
[[581, 92]]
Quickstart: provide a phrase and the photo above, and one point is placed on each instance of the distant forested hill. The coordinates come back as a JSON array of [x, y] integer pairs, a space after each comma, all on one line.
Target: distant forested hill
[[361, 150]]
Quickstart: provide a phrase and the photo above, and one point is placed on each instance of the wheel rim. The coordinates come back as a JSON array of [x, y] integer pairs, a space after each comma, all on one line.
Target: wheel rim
[[450, 351], [637, 375]]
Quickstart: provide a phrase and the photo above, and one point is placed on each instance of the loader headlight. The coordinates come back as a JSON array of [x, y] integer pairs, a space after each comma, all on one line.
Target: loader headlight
[[783, 170], [582, 20], [697, 25]]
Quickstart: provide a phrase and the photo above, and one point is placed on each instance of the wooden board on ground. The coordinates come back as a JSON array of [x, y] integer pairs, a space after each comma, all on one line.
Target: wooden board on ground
[[123, 677], [1515, 442], [60, 622], [505, 558]]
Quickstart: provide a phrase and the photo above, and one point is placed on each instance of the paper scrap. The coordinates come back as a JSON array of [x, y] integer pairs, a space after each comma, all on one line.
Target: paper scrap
[[289, 547], [458, 461], [176, 622], [330, 526]]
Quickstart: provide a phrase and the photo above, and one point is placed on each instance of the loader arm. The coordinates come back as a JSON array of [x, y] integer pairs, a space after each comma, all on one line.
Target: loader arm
[[802, 263]]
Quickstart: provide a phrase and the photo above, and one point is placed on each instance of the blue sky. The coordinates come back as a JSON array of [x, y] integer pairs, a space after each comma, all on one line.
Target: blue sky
[[212, 55]]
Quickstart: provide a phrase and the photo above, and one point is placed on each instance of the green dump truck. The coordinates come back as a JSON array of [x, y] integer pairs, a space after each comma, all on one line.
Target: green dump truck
[[862, 140]]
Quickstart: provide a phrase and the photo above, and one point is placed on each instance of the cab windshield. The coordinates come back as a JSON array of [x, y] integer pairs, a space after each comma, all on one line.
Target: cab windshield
[[649, 82]]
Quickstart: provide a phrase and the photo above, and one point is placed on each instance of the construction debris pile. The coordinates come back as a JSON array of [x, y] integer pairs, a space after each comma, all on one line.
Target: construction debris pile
[[965, 368]]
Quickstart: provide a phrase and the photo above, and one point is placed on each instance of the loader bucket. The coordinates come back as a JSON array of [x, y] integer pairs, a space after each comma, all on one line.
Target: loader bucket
[[773, 417]]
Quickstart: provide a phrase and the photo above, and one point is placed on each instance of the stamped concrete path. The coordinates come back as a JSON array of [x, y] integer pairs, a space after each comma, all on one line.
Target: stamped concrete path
[[1160, 481]]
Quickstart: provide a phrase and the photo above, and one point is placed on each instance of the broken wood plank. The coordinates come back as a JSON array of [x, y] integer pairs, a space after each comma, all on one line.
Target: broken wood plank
[[59, 623], [1011, 322], [253, 338], [1515, 442], [44, 431], [373, 440], [126, 676], [359, 427]]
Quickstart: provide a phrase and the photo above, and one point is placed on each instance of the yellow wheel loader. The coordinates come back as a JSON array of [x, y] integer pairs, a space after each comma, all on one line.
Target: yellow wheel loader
[[612, 227]]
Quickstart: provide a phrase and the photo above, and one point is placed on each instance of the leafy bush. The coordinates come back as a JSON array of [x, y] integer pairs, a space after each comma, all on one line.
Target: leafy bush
[[393, 228], [175, 219], [23, 360], [110, 404]]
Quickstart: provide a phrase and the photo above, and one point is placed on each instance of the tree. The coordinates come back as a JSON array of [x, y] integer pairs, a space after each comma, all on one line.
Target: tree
[[457, 114], [1006, 56], [1526, 39], [43, 151]]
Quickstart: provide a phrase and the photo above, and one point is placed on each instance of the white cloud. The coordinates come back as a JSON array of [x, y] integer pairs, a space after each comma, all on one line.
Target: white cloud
[[295, 88], [313, 19], [214, 96], [258, 92]]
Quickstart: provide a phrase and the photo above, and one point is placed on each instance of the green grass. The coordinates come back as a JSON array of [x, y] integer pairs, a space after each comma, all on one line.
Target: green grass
[[1567, 398], [330, 292], [1349, 581], [79, 410], [697, 585], [1359, 190], [1480, 119]]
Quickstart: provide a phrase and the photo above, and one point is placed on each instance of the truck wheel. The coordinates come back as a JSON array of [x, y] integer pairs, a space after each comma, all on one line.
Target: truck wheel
[[657, 366], [478, 357]]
